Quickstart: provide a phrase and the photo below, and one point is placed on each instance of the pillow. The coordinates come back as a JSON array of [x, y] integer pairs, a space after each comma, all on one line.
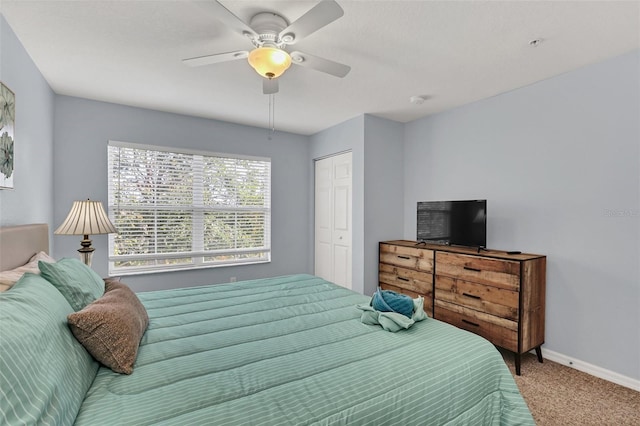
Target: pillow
[[111, 327], [44, 372], [78, 283], [10, 277]]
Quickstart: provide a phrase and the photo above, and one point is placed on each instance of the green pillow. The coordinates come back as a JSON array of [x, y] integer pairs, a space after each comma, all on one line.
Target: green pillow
[[44, 372], [78, 283]]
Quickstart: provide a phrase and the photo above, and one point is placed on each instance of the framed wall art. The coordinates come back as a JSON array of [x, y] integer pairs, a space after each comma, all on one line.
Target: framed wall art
[[7, 123]]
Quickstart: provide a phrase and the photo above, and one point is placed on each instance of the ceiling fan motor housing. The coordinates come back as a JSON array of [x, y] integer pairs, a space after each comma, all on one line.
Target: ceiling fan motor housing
[[268, 25]]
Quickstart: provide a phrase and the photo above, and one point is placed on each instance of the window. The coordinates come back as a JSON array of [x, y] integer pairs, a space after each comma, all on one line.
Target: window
[[177, 209]]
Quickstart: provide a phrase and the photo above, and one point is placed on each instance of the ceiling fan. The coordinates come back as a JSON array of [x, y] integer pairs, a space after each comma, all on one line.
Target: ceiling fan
[[270, 35]]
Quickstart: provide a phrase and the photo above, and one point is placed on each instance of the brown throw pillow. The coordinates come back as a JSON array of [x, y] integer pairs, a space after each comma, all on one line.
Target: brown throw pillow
[[111, 327]]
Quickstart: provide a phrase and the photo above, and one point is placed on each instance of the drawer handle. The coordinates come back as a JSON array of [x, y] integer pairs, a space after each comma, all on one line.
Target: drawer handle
[[403, 279], [473, 296], [404, 257], [470, 323], [469, 268]]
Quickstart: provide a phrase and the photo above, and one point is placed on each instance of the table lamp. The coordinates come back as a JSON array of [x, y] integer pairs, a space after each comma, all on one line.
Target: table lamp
[[86, 218]]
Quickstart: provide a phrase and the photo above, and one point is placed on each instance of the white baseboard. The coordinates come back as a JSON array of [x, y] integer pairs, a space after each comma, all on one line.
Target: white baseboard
[[594, 370]]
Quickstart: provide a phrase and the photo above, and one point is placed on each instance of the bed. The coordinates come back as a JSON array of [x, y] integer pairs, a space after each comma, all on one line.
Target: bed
[[287, 350]]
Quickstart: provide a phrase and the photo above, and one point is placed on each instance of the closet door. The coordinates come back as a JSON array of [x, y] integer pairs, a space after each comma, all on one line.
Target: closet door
[[333, 201]]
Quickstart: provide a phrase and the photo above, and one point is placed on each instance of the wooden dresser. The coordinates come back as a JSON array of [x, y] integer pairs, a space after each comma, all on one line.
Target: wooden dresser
[[497, 295], [408, 270]]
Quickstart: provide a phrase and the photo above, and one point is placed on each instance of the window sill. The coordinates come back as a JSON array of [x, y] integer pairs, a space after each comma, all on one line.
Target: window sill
[[124, 272]]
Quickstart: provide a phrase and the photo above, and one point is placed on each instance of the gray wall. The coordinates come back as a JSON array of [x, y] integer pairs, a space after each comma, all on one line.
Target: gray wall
[[347, 136], [383, 190], [558, 162], [82, 131], [376, 144], [31, 199]]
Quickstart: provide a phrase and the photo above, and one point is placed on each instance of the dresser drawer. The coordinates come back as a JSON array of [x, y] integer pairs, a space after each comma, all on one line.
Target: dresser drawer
[[417, 281], [428, 301], [407, 257], [481, 297], [497, 272], [499, 331]]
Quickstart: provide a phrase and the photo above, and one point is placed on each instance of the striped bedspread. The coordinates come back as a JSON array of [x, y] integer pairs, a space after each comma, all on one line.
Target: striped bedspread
[[292, 351]]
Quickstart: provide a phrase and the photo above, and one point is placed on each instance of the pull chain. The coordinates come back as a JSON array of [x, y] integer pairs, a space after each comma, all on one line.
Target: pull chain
[[272, 115]]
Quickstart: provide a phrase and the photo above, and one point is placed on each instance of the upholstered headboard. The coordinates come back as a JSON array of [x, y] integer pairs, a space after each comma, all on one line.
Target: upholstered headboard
[[19, 243]]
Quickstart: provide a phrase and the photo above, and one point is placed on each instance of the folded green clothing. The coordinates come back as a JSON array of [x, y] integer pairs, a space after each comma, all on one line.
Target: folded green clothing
[[392, 321], [391, 301]]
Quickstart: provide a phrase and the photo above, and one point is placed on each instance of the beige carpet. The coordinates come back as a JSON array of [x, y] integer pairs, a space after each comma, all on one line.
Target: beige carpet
[[559, 395]]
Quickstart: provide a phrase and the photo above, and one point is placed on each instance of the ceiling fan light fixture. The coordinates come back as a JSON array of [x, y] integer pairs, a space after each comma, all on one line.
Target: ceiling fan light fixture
[[269, 61]]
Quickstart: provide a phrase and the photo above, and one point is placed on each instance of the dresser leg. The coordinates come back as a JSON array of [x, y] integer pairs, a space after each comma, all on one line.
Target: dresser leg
[[539, 353], [518, 364]]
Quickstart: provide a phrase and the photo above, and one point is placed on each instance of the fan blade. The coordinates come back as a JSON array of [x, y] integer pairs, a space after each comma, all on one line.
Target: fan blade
[[225, 16], [317, 63], [317, 17], [269, 86], [214, 59]]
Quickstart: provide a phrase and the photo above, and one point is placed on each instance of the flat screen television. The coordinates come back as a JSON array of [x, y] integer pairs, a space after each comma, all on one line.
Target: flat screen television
[[460, 223]]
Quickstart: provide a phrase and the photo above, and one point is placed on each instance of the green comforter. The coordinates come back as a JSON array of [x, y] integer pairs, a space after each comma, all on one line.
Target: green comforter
[[292, 351]]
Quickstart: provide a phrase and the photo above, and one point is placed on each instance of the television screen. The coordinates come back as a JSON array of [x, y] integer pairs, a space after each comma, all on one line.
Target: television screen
[[462, 223]]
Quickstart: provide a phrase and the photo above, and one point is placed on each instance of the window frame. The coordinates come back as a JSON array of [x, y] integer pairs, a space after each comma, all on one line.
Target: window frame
[[198, 254]]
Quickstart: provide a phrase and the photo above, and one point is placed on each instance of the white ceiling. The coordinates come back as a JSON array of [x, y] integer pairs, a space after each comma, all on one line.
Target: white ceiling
[[451, 52]]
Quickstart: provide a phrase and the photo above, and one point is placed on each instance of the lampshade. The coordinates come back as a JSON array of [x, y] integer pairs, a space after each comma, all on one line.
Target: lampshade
[[86, 218], [269, 62]]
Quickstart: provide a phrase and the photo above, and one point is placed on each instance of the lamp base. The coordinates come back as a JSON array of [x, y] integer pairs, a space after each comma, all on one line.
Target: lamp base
[[86, 252], [86, 257]]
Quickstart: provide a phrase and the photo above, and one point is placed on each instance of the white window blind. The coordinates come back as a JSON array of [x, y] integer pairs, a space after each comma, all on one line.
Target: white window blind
[[177, 209]]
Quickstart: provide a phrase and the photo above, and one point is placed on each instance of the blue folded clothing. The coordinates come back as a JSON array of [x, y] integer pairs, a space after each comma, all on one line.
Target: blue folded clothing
[[390, 301]]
